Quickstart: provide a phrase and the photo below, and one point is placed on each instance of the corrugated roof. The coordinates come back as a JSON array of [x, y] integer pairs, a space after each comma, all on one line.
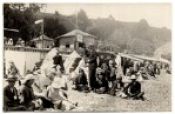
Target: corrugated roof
[[75, 32]]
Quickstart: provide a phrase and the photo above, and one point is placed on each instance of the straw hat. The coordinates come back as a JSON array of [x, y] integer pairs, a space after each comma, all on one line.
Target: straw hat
[[28, 77], [11, 78], [133, 77]]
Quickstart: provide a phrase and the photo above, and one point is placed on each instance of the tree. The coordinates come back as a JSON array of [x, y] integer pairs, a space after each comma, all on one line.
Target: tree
[[22, 17], [82, 20]]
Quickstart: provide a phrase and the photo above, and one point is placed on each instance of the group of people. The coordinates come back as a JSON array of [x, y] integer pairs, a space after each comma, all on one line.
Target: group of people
[[104, 76], [36, 92], [95, 73]]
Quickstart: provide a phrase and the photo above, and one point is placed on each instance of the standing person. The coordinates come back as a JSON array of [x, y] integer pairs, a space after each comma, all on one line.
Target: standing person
[[57, 60], [11, 98], [92, 64]]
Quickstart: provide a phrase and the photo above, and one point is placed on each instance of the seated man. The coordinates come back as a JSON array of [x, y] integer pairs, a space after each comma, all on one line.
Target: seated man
[[27, 97], [133, 90], [151, 71], [101, 82], [81, 83], [143, 73], [11, 98]]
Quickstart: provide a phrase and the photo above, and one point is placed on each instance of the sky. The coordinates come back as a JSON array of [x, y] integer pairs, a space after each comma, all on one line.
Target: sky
[[156, 14]]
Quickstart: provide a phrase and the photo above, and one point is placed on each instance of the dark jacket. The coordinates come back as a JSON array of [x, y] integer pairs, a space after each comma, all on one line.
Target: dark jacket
[[58, 61], [26, 95], [81, 80], [11, 98], [112, 74], [134, 88]]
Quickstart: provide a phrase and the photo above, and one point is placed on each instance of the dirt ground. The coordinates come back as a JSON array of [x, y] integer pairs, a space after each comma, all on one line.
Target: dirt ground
[[157, 93]]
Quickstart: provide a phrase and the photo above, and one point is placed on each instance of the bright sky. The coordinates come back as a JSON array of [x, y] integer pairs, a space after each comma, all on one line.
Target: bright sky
[[157, 15]]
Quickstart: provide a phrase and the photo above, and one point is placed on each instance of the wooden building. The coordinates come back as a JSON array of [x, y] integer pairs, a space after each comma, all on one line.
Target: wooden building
[[43, 41], [75, 39]]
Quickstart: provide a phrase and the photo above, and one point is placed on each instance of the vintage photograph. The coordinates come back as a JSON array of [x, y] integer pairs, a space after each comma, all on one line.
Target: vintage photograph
[[87, 57]]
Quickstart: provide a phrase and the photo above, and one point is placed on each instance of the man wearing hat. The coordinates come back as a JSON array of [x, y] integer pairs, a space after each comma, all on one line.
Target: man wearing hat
[[133, 90], [11, 98], [27, 96]]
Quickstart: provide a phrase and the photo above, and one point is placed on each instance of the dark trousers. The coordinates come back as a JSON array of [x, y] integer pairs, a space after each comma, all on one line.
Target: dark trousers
[[92, 79]]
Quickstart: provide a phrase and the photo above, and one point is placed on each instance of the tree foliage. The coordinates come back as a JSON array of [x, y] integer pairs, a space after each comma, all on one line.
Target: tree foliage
[[135, 37]]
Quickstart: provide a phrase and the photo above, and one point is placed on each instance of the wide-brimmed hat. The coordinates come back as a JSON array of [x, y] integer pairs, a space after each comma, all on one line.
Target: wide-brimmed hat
[[11, 78], [133, 77], [58, 82], [28, 77]]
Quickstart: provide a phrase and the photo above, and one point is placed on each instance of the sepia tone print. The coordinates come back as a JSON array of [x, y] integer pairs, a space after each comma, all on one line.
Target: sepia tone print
[[87, 57]]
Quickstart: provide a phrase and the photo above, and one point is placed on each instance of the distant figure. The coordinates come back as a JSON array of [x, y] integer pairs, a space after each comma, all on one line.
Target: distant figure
[[13, 70], [23, 43], [150, 70], [18, 43], [10, 42]]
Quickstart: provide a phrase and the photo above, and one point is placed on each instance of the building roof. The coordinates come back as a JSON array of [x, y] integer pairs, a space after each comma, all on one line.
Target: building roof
[[130, 57], [143, 57], [74, 33], [11, 30], [42, 37]]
